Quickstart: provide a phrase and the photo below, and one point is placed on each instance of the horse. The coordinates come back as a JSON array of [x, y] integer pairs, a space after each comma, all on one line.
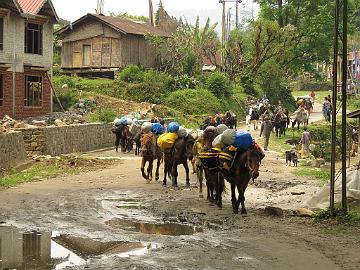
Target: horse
[[150, 152], [280, 122], [231, 120], [126, 140], [180, 153], [246, 167], [117, 130], [253, 118], [214, 179], [301, 117]]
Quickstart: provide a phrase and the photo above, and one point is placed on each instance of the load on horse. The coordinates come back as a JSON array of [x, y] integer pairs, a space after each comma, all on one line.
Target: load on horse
[[150, 151], [177, 145], [232, 156]]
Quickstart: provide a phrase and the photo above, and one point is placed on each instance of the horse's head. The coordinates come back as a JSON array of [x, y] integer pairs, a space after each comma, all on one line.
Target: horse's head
[[251, 160]]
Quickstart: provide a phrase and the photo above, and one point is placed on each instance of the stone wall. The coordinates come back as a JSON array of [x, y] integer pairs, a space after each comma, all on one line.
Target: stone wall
[[12, 151], [67, 139]]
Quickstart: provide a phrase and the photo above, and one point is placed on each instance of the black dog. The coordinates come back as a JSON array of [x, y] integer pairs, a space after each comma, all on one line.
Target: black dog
[[291, 157]]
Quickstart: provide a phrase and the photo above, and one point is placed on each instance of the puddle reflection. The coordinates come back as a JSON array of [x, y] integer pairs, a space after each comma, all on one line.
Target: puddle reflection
[[44, 251], [174, 229]]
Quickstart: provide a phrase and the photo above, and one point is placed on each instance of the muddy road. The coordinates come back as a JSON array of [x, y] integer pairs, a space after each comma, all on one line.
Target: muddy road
[[111, 219]]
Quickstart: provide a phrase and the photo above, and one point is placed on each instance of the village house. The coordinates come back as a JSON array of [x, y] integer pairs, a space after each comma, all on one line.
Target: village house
[[100, 46], [26, 57]]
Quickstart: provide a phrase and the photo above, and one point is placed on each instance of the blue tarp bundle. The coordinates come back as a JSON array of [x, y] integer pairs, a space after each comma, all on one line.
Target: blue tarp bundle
[[157, 128], [173, 127], [124, 120], [243, 140]]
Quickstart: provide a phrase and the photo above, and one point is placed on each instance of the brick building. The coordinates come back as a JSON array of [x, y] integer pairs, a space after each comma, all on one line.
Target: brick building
[[26, 57]]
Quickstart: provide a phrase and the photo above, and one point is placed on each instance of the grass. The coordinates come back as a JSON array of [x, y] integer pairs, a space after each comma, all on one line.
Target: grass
[[36, 172], [320, 174], [278, 144], [340, 222]]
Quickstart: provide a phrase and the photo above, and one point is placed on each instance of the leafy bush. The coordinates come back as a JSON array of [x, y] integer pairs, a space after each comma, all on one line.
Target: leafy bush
[[63, 79], [247, 83], [219, 84], [132, 74], [67, 100], [309, 85], [162, 80], [144, 92], [194, 101], [185, 82], [104, 115]]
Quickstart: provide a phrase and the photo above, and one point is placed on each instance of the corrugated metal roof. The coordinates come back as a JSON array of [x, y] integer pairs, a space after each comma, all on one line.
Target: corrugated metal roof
[[130, 27], [31, 6]]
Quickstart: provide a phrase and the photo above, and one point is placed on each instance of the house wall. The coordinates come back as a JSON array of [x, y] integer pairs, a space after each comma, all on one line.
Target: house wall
[[14, 55], [124, 49]]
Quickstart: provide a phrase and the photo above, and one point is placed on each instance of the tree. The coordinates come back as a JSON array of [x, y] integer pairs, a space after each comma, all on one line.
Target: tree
[[128, 16], [187, 48]]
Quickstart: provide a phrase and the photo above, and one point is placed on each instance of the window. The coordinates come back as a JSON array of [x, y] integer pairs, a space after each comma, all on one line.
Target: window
[[1, 89], [106, 48], [33, 91], [33, 38], [1, 34]]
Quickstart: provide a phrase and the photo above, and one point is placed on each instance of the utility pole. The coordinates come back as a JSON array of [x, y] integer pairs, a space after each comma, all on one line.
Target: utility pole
[[237, 15], [344, 101], [334, 105], [151, 14], [224, 28]]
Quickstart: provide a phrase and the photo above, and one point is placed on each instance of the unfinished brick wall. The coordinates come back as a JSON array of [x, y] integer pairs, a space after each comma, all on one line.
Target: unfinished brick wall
[[12, 151], [67, 139]]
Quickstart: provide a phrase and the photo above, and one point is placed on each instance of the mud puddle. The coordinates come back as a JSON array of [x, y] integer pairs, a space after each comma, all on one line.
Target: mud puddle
[[172, 229], [44, 250]]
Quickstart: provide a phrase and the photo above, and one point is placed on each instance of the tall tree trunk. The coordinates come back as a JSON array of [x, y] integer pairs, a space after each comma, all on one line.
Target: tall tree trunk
[[281, 18]]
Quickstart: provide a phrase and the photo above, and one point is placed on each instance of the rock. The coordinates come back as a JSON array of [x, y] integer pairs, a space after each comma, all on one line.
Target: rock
[[303, 212], [38, 123], [59, 123], [7, 125], [19, 125], [296, 193], [273, 211]]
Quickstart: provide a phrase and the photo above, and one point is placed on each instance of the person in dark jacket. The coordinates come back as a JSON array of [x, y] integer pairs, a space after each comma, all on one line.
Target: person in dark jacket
[[117, 130], [266, 129]]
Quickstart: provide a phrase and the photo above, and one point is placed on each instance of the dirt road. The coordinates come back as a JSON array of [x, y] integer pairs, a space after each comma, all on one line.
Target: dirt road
[[111, 219]]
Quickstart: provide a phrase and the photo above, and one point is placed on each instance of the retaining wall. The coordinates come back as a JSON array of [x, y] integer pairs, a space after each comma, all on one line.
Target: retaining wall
[[12, 151], [67, 139], [16, 146]]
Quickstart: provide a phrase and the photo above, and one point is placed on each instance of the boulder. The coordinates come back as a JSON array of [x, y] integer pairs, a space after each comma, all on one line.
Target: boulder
[[303, 212], [59, 123], [7, 125], [273, 211], [19, 125], [38, 123]]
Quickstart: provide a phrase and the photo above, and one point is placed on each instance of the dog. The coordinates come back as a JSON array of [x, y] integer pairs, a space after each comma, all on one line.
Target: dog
[[292, 158]]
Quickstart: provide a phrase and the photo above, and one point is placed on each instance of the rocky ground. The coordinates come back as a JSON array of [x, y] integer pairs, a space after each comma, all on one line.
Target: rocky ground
[[166, 228]]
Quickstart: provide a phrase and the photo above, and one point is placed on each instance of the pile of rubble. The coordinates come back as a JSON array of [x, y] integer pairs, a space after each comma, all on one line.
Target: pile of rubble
[[7, 124]]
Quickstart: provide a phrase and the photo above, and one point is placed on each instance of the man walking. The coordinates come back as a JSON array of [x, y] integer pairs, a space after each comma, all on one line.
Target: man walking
[[266, 128]]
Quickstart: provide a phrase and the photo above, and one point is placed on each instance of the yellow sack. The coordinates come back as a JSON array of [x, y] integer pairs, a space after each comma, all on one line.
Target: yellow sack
[[167, 140]]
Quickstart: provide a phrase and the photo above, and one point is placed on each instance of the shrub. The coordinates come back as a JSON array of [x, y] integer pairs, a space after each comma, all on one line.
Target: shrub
[[219, 84], [160, 79], [247, 83], [185, 82], [67, 100], [309, 85], [63, 79], [104, 115], [194, 101], [132, 74], [144, 92]]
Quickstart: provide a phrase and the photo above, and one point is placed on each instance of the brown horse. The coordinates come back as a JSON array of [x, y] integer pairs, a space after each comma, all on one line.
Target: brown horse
[[214, 179], [180, 153], [150, 152], [245, 168], [126, 140]]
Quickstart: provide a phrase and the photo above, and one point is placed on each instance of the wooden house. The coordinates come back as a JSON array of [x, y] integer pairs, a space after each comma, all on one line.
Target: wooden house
[[98, 45]]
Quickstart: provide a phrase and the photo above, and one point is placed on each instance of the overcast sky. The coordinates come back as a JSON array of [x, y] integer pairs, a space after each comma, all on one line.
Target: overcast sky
[[73, 9]]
